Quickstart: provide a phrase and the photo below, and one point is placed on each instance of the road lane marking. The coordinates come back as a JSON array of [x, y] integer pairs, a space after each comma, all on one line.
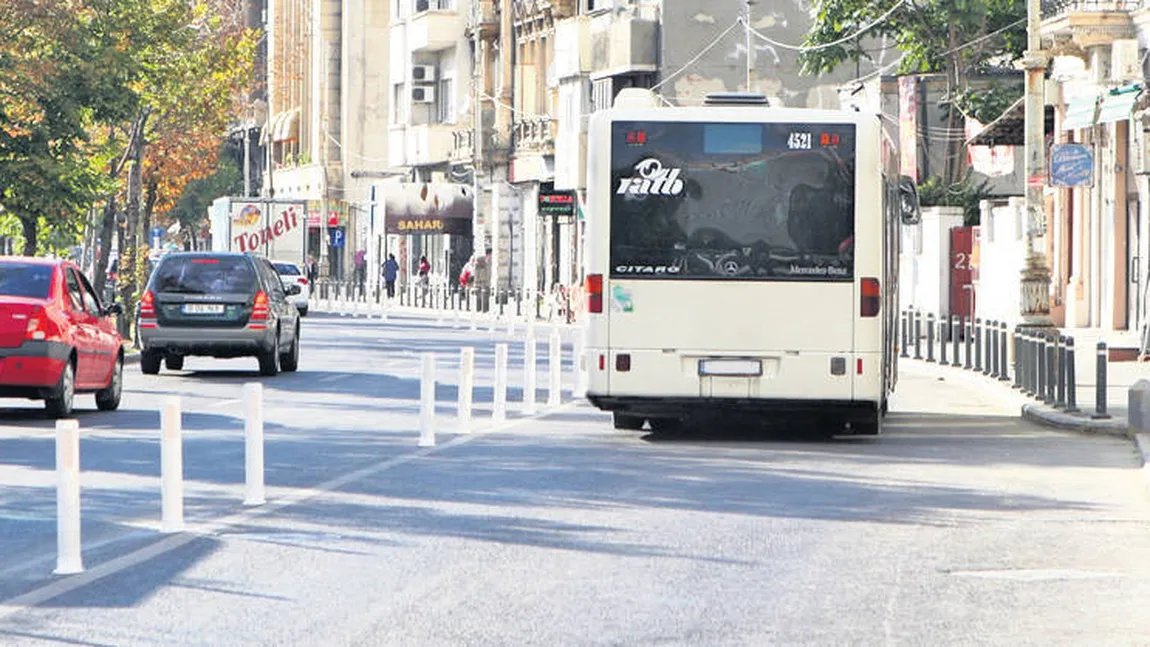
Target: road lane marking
[[70, 583]]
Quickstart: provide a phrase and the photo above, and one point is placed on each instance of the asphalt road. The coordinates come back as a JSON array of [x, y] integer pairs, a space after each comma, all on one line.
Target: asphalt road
[[963, 524]]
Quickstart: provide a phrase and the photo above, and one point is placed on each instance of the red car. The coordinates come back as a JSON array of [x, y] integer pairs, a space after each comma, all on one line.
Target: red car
[[56, 338]]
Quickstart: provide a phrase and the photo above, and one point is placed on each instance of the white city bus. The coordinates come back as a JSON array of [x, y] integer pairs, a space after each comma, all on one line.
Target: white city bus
[[742, 259]]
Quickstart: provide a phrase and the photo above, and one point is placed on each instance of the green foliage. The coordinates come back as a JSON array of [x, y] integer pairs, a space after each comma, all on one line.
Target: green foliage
[[986, 103], [192, 208], [966, 193], [933, 35]]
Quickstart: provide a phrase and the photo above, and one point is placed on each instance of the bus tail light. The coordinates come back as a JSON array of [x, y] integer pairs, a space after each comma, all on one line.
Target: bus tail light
[[871, 299], [595, 293]]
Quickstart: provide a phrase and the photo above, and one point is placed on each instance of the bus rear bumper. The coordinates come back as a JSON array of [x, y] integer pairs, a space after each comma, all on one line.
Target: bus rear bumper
[[750, 408]]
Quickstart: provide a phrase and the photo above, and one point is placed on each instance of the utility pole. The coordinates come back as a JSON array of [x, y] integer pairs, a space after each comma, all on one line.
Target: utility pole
[[1035, 280], [747, 44]]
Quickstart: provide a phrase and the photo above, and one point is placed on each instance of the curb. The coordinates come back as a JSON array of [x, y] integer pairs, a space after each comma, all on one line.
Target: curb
[[1143, 443], [1059, 420], [132, 357]]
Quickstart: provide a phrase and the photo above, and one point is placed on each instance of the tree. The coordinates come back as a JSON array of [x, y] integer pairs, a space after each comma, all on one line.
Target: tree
[[952, 37], [63, 68]]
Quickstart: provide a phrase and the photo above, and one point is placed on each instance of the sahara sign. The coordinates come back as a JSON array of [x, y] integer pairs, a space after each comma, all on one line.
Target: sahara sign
[[268, 228]]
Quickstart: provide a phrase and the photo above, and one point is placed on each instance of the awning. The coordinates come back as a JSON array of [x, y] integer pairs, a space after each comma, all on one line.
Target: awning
[[1080, 113], [1010, 127], [284, 126], [427, 207], [1118, 104]]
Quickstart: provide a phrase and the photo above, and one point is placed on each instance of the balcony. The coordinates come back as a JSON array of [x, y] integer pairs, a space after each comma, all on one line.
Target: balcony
[[433, 28], [561, 9], [535, 135], [622, 44], [572, 47], [463, 146], [428, 144], [483, 19], [1089, 22]]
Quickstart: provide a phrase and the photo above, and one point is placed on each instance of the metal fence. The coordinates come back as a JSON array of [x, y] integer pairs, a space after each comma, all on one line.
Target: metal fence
[[1038, 362]]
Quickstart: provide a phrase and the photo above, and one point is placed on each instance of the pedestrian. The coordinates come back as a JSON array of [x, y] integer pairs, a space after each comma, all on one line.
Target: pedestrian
[[424, 271], [361, 270], [311, 269], [390, 273], [481, 279]]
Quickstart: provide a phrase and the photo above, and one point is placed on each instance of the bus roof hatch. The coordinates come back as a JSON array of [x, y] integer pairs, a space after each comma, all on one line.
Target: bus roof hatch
[[736, 99]]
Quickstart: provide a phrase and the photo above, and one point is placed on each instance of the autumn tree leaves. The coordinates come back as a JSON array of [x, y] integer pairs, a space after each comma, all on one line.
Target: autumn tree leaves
[[112, 107]]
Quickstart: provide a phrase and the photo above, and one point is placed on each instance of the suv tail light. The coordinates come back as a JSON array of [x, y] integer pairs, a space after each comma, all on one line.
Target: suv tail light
[[148, 310], [302, 280], [261, 311], [37, 325], [871, 298], [595, 293]]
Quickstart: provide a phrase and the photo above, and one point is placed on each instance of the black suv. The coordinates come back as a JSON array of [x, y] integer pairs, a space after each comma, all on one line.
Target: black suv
[[218, 305]]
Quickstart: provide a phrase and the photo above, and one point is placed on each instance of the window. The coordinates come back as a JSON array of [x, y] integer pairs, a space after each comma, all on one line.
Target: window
[[732, 201], [444, 102], [25, 280], [91, 301], [205, 275], [601, 95], [74, 296], [398, 101]]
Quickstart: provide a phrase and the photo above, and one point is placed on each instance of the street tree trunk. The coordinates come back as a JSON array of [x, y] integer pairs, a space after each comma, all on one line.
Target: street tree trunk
[[107, 228], [108, 225], [129, 252], [31, 226]]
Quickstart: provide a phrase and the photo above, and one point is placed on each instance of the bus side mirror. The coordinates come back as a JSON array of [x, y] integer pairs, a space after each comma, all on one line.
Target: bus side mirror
[[909, 208]]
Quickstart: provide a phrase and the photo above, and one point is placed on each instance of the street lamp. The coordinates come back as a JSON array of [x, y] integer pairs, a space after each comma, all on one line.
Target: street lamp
[[1035, 279]]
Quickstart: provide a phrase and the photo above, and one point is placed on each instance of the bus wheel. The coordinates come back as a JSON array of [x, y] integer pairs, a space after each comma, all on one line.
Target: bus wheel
[[628, 423], [667, 426], [867, 426]]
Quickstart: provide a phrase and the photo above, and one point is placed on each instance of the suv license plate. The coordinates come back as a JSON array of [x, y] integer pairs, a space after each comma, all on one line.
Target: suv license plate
[[203, 309]]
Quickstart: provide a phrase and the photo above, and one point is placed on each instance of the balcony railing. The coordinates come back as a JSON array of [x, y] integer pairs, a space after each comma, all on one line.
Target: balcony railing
[[535, 133], [463, 145], [1058, 8]]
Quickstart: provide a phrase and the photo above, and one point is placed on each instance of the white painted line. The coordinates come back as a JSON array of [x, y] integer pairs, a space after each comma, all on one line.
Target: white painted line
[[68, 584]]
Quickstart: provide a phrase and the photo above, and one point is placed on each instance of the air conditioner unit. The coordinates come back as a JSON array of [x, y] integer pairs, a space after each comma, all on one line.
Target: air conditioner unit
[[423, 94], [1125, 60], [422, 73]]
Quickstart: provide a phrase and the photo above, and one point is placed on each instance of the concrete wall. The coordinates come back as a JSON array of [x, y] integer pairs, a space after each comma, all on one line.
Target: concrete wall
[[1001, 245], [924, 262]]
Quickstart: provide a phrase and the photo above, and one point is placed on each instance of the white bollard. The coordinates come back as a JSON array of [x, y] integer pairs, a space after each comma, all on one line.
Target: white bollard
[[499, 399], [529, 370], [466, 387], [427, 402], [171, 467], [69, 559], [581, 368], [254, 444], [555, 388]]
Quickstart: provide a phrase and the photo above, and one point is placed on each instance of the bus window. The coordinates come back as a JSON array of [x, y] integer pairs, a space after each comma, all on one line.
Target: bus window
[[736, 201]]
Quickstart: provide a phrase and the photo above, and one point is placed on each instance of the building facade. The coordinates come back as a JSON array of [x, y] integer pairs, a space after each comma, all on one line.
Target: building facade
[[1098, 242], [443, 128]]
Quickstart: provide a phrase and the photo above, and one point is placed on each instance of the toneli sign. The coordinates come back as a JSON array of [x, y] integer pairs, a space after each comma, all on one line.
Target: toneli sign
[[275, 230]]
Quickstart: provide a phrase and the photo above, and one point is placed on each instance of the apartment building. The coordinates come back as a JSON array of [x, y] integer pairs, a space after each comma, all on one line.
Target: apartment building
[[430, 212], [1098, 240], [327, 130], [440, 128]]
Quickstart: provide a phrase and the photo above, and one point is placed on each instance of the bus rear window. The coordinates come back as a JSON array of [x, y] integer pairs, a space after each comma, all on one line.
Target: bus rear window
[[734, 201]]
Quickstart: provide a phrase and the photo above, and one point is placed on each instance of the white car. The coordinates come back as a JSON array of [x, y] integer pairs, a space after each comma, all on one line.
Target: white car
[[295, 283]]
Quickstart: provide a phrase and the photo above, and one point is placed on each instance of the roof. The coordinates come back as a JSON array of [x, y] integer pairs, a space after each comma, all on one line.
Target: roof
[[35, 260], [1010, 127]]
